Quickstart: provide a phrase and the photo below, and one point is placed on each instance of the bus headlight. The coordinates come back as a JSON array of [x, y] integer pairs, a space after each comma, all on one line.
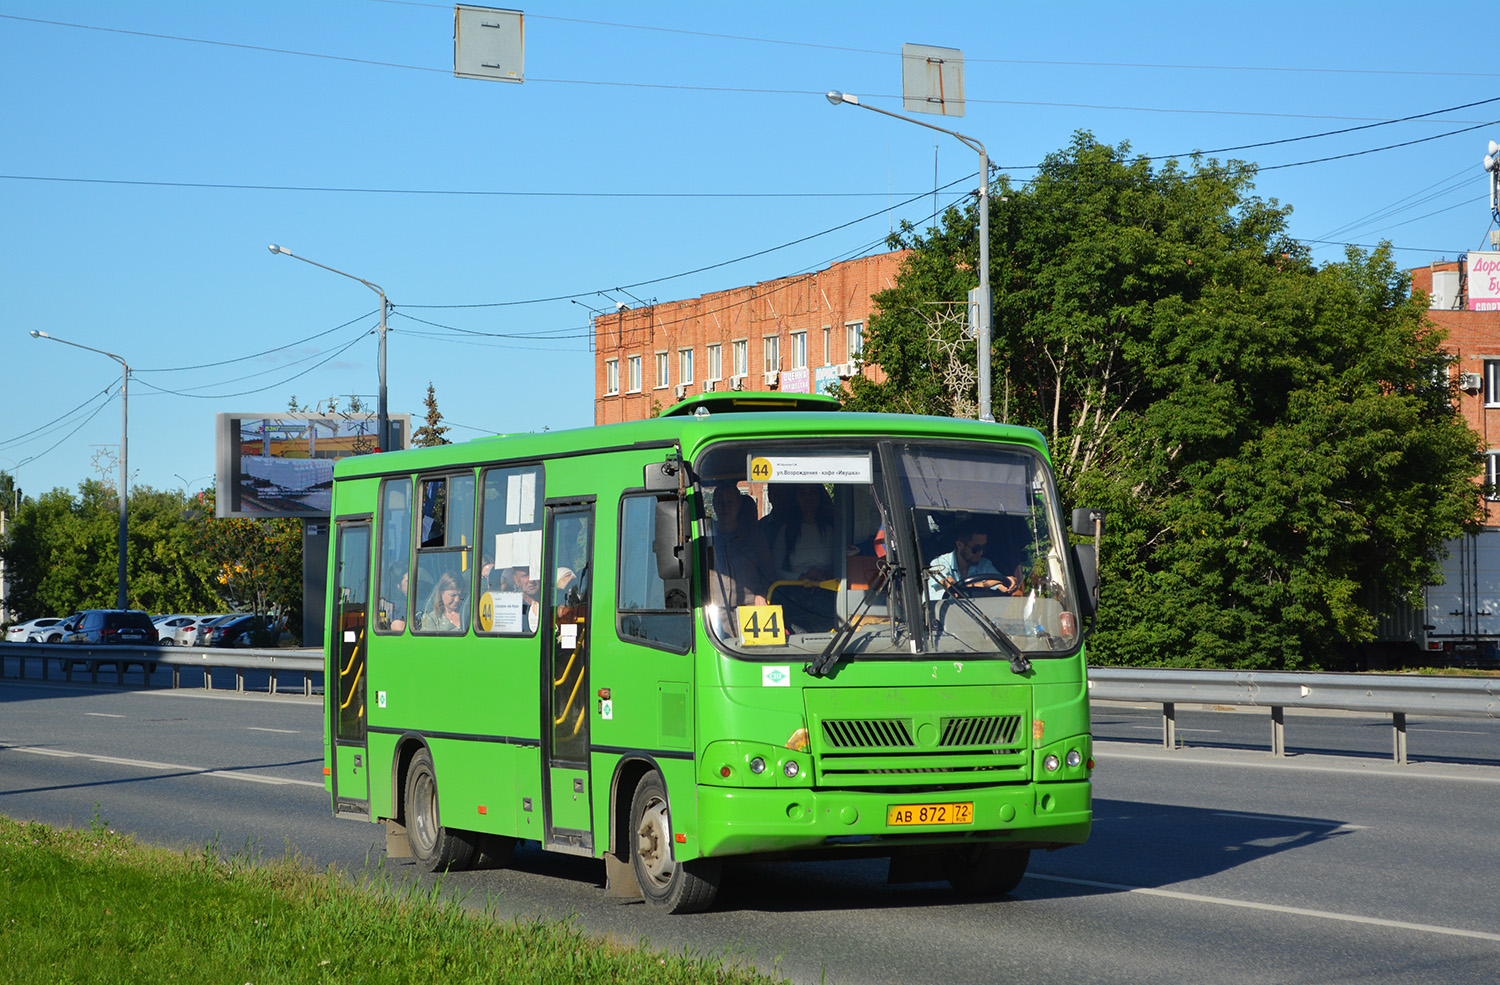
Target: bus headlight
[[790, 769], [1051, 763], [757, 766], [1074, 758]]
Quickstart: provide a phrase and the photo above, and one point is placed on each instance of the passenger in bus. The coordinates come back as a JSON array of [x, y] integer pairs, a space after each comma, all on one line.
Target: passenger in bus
[[803, 548], [742, 558], [393, 598], [803, 552], [446, 612], [967, 566]]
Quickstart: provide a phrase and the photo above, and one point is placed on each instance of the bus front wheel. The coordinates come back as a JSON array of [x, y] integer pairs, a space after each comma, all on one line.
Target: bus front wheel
[[986, 870], [677, 887], [434, 846]]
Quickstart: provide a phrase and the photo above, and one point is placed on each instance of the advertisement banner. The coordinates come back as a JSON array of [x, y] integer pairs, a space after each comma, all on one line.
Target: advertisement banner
[[1484, 281]]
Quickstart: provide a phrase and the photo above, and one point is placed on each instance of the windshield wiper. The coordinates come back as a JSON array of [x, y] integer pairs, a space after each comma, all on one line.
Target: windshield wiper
[[1019, 662], [824, 663]]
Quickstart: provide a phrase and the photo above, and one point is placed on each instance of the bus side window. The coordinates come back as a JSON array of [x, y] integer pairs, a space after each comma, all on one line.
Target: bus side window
[[393, 572], [445, 568], [510, 545], [649, 610]]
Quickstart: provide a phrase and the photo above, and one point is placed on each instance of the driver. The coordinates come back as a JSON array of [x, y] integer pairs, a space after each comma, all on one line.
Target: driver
[[967, 566]]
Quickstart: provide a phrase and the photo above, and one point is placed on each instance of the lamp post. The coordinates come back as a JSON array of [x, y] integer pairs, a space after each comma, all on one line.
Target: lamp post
[[121, 601], [983, 341], [382, 425]]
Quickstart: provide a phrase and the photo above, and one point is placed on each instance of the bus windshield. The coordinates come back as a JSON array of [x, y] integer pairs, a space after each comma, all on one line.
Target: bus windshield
[[885, 548]]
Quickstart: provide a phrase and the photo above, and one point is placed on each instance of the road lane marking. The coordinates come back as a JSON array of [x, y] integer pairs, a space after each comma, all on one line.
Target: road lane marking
[[100, 714], [1157, 728], [173, 767], [1305, 822], [1296, 911], [278, 731]]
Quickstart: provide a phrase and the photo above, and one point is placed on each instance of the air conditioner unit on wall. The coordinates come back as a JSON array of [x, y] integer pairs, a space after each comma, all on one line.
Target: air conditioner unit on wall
[[736, 383], [681, 390], [710, 385], [772, 375], [1470, 382], [847, 370]]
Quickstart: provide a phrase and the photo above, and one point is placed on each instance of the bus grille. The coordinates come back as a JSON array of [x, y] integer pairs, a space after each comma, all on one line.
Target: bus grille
[[872, 752]]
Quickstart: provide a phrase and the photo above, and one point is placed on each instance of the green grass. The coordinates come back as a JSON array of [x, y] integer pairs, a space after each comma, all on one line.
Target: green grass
[[95, 906]]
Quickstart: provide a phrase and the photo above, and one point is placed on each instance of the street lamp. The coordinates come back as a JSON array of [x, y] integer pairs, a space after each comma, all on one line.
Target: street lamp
[[121, 597], [382, 425], [838, 99]]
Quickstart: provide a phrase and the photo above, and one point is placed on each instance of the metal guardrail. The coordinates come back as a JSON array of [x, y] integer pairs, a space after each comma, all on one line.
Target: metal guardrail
[[69, 657], [1387, 694]]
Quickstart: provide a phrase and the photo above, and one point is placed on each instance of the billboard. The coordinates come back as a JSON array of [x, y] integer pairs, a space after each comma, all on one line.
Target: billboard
[[1484, 281], [281, 464]]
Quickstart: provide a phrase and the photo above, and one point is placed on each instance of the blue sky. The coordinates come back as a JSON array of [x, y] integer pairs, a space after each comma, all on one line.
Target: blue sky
[[152, 150]]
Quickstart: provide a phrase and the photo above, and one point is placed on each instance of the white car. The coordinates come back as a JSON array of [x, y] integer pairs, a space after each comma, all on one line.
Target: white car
[[20, 632], [193, 633], [168, 626]]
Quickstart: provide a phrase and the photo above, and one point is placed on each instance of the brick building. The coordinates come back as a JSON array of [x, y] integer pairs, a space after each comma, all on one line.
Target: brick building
[[793, 334], [1474, 342]]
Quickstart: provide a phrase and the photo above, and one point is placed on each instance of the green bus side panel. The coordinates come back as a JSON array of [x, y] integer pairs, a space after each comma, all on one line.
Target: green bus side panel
[[570, 798]]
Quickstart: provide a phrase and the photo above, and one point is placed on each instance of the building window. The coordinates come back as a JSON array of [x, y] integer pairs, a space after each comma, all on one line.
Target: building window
[[1492, 382], [799, 350], [773, 352], [854, 332], [684, 365], [1492, 475], [661, 370], [634, 364], [715, 362], [741, 357], [611, 376], [827, 345]]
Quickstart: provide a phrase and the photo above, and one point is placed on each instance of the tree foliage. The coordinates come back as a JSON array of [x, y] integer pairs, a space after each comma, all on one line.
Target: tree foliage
[[256, 564], [432, 430], [61, 553], [1276, 441]]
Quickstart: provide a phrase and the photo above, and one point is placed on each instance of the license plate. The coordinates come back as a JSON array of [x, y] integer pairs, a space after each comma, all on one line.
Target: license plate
[[905, 814]]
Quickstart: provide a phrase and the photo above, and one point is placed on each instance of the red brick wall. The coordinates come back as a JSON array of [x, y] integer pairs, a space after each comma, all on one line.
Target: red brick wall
[[1473, 337], [807, 303]]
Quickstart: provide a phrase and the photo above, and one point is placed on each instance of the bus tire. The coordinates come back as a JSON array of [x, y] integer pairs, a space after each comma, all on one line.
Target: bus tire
[[986, 870], [677, 887], [434, 846]]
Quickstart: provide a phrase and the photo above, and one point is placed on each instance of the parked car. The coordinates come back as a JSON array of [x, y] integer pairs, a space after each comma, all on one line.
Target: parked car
[[21, 631], [112, 627], [167, 627], [201, 629], [55, 632], [243, 630]]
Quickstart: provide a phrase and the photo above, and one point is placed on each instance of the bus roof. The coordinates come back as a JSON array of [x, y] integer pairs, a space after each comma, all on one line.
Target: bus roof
[[691, 424]]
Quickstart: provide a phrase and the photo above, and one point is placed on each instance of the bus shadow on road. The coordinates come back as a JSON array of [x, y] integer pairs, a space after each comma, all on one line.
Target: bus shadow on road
[[1145, 845]]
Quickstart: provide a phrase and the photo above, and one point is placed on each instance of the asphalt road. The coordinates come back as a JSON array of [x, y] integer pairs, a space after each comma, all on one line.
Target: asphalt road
[[1206, 864]]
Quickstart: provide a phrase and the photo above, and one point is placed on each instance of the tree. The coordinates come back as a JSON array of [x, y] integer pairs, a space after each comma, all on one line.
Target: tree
[[256, 563], [61, 553], [1276, 442], [431, 433]]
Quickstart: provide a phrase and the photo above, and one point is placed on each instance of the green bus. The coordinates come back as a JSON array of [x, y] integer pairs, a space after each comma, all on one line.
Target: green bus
[[755, 627]]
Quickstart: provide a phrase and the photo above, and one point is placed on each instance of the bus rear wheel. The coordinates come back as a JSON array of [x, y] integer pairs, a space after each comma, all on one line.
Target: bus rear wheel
[[986, 870], [434, 846], [677, 887]]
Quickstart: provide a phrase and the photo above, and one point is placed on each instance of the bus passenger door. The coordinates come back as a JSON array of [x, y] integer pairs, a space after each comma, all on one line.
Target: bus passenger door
[[345, 680], [566, 584]]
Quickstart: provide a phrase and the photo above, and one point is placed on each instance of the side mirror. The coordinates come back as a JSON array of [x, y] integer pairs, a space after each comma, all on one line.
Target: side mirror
[[668, 544], [1086, 558], [1088, 522], [663, 476]]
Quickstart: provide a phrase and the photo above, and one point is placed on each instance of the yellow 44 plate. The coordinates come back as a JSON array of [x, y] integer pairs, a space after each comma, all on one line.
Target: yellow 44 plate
[[902, 814]]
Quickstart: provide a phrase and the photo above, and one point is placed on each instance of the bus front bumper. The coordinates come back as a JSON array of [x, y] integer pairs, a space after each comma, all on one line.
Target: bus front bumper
[[738, 821]]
